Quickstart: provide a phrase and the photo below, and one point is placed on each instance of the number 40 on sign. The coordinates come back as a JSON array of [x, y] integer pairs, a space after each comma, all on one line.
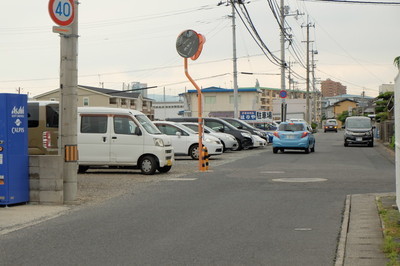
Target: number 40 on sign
[[62, 12]]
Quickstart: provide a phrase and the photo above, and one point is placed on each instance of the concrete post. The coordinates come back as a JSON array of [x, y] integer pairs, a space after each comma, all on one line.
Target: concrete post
[[68, 104]]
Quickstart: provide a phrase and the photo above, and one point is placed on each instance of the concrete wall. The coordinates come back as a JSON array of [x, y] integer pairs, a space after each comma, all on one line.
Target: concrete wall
[[45, 179]]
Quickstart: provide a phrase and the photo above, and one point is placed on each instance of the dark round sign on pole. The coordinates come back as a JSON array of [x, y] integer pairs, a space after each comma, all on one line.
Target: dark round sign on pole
[[283, 94], [187, 43]]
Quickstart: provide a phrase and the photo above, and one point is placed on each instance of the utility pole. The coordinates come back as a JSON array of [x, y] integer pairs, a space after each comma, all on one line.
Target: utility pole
[[235, 72], [235, 82], [283, 63], [68, 104], [308, 109], [315, 105]]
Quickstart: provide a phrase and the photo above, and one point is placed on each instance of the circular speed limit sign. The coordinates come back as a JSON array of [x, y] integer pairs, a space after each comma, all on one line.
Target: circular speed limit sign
[[62, 11]]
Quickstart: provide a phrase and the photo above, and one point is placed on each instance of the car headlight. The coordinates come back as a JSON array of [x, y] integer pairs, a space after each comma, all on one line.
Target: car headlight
[[211, 141], [158, 142], [246, 135]]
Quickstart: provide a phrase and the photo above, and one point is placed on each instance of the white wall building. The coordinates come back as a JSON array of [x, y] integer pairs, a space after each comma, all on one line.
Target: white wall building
[[163, 110], [296, 108], [385, 88]]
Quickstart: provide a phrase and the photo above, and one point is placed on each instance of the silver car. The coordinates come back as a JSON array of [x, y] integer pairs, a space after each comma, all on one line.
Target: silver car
[[228, 141]]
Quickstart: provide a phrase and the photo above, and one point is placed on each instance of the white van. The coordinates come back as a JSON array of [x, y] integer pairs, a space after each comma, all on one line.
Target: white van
[[121, 137]]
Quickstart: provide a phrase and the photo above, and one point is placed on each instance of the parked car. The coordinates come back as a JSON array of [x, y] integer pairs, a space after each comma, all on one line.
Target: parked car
[[293, 136], [228, 141], [242, 136], [331, 125], [258, 141], [43, 117], [186, 141], [240, 124], [358, 130], [116, 137]]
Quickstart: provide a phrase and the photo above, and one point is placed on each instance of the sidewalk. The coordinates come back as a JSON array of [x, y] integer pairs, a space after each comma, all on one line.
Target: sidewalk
[[17, 217], [361, 238]]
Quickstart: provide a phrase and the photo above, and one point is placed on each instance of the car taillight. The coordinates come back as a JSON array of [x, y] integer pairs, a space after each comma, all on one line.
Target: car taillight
[[276, 134], [305, 134]]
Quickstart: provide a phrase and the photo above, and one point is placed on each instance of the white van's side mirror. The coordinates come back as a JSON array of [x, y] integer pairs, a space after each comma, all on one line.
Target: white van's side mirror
[[138, 131]]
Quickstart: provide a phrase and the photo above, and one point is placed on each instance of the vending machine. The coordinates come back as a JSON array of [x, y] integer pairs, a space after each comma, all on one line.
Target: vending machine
[[14, 164]]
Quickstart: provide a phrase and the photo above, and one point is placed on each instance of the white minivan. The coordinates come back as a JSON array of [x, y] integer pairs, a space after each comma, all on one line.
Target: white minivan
[[121, 137]]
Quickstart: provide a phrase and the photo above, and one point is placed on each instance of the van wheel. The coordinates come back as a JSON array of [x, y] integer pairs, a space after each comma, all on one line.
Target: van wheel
[[148, 165], [164, 169], [82, 169], [194, 151]]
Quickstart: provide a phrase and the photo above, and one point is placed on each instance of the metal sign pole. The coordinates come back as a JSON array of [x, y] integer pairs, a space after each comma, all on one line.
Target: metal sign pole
[[200, 115]]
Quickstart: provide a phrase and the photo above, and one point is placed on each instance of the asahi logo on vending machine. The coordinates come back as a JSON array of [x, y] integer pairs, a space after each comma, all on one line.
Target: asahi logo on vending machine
[[18, 112]]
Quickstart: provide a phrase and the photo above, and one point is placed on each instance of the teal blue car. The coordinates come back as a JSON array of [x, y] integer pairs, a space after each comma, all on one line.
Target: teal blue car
[[293, 136]]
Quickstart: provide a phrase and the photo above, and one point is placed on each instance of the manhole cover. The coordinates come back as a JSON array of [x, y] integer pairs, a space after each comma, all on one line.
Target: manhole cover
[[299, 180]]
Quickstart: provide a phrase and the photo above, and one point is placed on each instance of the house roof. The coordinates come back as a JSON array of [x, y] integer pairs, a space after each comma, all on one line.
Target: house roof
[[107, 92], [112, 93], [345, 100]]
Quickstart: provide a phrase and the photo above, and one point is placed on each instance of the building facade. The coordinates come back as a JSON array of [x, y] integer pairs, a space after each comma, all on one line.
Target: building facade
[[218, 102], [331, 88], [163, 110]]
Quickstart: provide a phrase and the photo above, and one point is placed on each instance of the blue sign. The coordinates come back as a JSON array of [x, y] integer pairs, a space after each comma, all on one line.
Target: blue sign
[[283, 94], [256, 116]]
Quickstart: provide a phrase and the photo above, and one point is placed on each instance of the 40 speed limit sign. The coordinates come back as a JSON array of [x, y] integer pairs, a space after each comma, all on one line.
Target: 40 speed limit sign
[[62, 11]]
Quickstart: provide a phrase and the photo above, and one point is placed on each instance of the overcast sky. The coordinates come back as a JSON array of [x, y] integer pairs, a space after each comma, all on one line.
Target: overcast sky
[[123, 41]]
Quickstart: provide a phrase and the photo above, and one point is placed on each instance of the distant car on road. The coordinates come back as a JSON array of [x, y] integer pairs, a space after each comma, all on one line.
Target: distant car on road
[[331, 125], [293, 136], [358, 130]]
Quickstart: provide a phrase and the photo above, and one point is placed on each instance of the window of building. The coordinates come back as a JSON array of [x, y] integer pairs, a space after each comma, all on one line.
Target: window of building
[[113, 100], [210, 99], [85, 101]]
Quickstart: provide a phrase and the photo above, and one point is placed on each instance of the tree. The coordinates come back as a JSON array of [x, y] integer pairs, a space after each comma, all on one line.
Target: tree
[[384, 103], [342, 117], [396, 62]]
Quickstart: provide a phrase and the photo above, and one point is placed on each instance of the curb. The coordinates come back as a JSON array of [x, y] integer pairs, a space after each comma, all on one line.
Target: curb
[[341, 249]]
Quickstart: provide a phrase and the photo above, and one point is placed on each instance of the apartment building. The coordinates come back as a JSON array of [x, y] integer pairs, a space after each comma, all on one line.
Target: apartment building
[[331, 88]]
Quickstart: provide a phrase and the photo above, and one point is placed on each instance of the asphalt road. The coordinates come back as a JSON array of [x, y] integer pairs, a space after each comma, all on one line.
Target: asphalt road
[[257, 209]]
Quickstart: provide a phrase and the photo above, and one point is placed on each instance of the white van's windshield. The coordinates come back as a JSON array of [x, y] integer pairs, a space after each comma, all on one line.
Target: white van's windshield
[[358, 123], [147, 124]]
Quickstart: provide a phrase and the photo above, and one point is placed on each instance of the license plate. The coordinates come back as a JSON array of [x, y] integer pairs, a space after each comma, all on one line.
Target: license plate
[[169, 162], [290, 136], [358, 139]]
